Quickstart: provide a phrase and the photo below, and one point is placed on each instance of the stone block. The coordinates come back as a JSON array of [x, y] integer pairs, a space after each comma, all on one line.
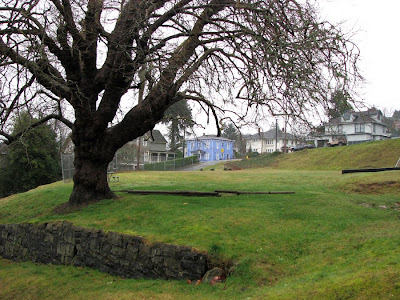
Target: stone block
[[116, 250], [49, 238], [69, 237], [114, 239], [118, 254], [65, 249]]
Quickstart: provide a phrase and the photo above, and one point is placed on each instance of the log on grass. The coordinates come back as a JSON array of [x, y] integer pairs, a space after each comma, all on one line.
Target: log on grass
[[255, 193], [369, 170], [176, 193]]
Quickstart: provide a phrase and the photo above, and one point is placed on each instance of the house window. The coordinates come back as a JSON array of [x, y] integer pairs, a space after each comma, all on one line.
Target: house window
[[340, 128], [144, 143], [207, 156], [217, 145], [359, 128]]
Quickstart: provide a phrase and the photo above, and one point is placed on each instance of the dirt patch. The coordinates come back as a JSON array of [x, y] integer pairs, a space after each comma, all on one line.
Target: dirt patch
[[235, 168], [384, 187]]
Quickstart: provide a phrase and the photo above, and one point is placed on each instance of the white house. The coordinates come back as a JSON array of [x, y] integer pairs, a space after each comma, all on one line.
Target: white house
[[269, 141], [355, 127]]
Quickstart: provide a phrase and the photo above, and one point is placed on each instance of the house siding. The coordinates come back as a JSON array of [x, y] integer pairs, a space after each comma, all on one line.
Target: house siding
[[210, 148], [265, 142], [357, 127]]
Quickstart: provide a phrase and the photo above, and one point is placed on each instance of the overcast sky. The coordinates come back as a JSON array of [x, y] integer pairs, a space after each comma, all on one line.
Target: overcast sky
[[377, 25]]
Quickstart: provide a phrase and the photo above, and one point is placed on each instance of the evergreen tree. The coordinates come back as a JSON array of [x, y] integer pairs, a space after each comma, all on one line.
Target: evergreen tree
[[230, 132], [340, 103], [179, 117], [32, 160]]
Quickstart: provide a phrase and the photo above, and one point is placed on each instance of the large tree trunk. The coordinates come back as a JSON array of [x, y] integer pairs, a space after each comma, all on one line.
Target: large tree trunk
[[90, 183], [90, 179]]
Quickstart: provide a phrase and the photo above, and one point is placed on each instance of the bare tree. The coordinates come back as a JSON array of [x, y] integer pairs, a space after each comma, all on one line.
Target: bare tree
[[85, 63]]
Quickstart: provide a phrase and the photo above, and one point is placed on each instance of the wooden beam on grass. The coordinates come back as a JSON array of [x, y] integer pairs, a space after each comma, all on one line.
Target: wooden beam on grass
[[202, 194], [176, 193], [369, 170], [253, 193]]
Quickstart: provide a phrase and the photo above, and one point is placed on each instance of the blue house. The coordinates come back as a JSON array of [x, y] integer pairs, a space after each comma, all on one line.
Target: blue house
[[209, 148]]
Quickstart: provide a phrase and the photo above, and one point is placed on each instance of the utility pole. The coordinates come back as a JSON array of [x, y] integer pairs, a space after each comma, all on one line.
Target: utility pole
[[184, 140], [276, 135], [285, 141]]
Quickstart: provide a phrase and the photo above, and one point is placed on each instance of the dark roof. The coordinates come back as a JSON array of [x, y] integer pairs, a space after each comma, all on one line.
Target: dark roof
[[396, 114], [358, 117], [155, 136], [270, 134]]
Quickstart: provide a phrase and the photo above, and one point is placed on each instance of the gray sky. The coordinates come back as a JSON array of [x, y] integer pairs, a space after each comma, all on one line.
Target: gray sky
[[377, 27]]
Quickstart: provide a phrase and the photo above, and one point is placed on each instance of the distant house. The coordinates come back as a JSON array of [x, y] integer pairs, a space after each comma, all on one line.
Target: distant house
[[152, 147], [210, 148], [269, 141], [355, 127], [396, 120]]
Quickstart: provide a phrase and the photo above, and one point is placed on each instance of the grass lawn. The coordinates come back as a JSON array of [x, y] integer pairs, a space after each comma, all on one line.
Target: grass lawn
[[379, 154], [337, 237]]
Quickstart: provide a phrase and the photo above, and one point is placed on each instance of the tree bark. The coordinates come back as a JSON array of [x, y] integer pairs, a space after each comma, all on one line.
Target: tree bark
[[90, 179]]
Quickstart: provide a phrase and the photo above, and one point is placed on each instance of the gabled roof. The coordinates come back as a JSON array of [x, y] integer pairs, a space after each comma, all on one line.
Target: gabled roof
[[155, 136], [270, 134], [358, 117], [396, 114]]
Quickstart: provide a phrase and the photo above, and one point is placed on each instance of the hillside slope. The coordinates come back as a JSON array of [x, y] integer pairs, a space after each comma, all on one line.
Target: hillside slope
[[366, 155]]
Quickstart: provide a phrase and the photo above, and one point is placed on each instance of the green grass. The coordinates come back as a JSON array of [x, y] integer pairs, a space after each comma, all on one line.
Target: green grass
[[377, 154], [332, 239]]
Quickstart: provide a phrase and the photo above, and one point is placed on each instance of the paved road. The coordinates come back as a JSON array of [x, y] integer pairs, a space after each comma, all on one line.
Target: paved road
[[203, 164]]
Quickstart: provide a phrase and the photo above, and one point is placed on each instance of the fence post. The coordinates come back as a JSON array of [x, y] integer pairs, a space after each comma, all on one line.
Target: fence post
[[62, 168]]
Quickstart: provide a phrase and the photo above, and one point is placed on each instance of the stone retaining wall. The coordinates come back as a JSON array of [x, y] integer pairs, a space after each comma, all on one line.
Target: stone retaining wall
[[118, 254]]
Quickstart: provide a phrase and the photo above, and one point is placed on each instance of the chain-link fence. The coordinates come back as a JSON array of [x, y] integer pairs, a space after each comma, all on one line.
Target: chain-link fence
[[171, 165], [127, 161], [67, 167]]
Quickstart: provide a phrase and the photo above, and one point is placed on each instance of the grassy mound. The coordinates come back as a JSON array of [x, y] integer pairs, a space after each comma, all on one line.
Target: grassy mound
[[377, 154], [327, 241]]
